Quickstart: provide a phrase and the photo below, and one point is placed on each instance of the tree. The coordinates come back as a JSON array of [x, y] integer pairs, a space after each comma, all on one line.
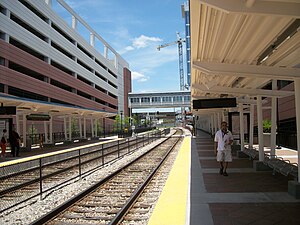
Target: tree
[[117, 123]]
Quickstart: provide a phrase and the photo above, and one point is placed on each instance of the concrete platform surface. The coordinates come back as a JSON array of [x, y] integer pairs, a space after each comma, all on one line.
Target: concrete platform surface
[[244, 197]]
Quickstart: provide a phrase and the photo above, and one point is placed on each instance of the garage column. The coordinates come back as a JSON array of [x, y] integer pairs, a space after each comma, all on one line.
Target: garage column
[[260, 129], [49, 2]]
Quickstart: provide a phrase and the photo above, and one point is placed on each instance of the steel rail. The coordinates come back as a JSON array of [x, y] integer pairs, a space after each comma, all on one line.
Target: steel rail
[[55, 212], [117, 219], [110, 150]]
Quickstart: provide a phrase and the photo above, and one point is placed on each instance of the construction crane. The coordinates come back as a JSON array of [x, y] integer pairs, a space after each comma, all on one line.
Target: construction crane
[[179, 42]]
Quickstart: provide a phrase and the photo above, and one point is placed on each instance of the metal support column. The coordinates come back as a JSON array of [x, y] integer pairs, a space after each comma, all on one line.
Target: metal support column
[[219, 118], [251, 126], [46, 131], [51, 129], [84, 127], [70, 128], [242, 136], [92, 127], [297, 101], [24, 128], [80, 127], [96, 127], [260, 129], [273, 119], [65, 128]]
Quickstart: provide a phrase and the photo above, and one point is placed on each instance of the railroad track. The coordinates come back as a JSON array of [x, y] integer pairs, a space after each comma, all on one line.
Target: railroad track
[[108, 201], [37, 178], [140, 212]]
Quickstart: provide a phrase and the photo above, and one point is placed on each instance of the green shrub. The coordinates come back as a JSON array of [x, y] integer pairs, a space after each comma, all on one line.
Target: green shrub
[[267, 126]]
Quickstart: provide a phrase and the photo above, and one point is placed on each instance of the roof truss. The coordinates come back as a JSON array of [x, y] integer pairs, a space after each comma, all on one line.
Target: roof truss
[[242, 70], [243, 91]]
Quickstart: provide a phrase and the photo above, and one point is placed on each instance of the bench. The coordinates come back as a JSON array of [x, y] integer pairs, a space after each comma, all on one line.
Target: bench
[[252, 153], [280, 165]]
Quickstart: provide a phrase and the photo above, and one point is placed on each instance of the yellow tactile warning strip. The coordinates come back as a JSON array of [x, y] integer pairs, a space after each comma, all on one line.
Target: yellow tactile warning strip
[[171, 206], [16, 161]]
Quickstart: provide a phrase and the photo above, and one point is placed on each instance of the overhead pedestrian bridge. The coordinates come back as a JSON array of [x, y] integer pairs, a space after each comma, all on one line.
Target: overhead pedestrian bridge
[[160, 99]]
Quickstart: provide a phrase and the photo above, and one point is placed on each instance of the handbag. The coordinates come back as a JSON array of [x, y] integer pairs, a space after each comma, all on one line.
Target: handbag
[[3, 140]]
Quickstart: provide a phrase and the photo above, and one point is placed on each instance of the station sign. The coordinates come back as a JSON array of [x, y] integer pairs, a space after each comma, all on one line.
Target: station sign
[[214, 103], [8, 110], [38, 117]]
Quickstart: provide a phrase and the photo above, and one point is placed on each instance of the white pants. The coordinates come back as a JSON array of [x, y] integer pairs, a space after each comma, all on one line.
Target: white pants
[[224, 156]]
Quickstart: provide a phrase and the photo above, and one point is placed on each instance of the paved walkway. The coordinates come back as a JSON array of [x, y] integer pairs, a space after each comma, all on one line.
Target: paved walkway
[[244, 197]]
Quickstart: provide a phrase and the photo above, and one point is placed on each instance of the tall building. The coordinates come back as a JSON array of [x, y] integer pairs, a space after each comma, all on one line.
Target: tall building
[[185, 10], [43, 58]]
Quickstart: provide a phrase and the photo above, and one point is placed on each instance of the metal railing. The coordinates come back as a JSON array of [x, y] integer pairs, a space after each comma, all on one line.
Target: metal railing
[[26, 180]]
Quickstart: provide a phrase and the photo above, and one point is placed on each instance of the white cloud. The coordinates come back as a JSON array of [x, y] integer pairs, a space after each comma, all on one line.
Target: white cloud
[[139, 77], [129, 48], [151, 58], [143, 41]]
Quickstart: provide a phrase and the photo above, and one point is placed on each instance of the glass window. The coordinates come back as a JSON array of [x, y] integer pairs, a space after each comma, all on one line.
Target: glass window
[[134, 100], [187, 98], [177, 99], [167, 99], [155, 99], [145, 99]]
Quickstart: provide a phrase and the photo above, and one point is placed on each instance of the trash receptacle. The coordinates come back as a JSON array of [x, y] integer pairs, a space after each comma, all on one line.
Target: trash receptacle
[[28, 144]]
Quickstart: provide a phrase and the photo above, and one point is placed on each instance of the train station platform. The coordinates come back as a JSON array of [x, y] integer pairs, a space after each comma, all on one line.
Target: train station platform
[[196, 194], [246, 196]]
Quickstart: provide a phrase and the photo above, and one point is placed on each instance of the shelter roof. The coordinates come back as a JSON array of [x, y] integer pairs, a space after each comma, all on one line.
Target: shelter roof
[[27, 106], [239, 46]]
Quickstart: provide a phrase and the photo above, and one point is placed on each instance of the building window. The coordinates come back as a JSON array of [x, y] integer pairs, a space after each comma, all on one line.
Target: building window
[[145, 99], [167, 99], [155, 99], [187, 98], [177, 99], [134, 100]]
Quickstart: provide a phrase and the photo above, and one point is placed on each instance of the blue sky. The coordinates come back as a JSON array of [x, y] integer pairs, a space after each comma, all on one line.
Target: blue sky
[[134, 28]]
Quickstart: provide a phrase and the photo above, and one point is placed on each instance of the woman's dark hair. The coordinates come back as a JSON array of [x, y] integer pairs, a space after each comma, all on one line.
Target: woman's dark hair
[[4, 130]]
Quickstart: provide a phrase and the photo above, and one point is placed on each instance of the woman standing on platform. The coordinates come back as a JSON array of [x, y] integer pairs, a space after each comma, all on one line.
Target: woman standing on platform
[[15, 143], [3, 143], [223, 141]]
